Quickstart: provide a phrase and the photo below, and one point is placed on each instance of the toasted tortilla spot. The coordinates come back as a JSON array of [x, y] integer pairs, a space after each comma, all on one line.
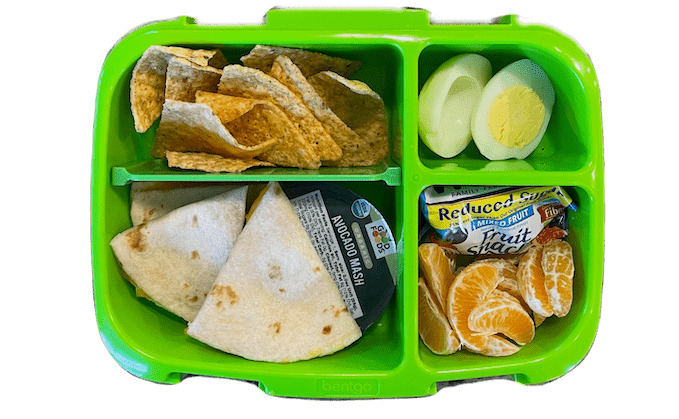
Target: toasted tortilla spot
[[136, 240], [192, 299], [275, 272], [276, 326], [281, 289], [210, 162], [225, 293], [327, 329], [195, 255], [262, 57]]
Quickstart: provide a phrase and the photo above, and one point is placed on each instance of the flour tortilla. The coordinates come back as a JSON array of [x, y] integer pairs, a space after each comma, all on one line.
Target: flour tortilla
[[286, 72], [175, 259], [274, 300], [151, 200], [262, 57], [195, 127], [362, 110], [147, 87], [252, 121], [254, 84]]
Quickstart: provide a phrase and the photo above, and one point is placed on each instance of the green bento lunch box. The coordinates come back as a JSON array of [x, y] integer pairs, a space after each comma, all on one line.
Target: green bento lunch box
[[399, 49]]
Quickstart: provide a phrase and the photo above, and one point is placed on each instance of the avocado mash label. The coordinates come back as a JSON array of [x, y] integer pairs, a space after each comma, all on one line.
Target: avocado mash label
[[354, 242], [311, 211]]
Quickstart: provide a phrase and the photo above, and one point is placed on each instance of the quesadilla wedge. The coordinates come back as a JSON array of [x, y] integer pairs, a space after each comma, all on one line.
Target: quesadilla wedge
[[274, 300], [147, 87], [150, 200], [175, 259]]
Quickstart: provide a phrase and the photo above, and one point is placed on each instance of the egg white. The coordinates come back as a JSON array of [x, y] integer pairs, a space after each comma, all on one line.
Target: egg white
[[447, 100], [520, 73]]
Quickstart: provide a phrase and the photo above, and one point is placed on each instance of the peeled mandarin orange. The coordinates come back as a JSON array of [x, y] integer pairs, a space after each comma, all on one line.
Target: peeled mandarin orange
[[510, 285], [435, 267], [433, 326], [557, 264], [470, 288], [531, 280], [502, 313]]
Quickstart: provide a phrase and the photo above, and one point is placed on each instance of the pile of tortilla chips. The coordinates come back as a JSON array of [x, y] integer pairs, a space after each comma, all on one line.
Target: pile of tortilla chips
[[282, 107]]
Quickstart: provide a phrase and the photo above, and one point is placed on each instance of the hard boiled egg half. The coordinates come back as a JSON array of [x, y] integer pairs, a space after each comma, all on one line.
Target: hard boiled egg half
[[447, 100], [513, 112]]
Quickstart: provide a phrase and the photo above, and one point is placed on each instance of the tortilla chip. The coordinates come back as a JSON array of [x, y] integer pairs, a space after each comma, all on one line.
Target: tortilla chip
[[210, 162], [147, 87], [203, 57], [262, 57], [194, 127], [252, 121], [362, 110], [184, 79], [175, 259], [274, 300], [254, 84], [285, 71]]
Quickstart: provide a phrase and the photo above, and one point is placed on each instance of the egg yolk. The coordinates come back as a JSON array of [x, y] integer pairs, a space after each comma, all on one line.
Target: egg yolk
[[516, 116]]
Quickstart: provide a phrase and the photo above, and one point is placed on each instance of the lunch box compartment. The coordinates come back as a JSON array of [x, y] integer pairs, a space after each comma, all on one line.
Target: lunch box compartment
[[557, 346], [150, 331], [567, 143], [399, 49], [382, 69]]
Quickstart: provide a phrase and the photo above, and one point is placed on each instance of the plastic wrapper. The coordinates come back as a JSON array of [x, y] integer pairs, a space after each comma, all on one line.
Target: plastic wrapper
[[479, 220]]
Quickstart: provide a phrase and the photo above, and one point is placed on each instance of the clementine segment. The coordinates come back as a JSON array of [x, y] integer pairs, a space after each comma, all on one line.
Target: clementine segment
[[510, 284], [502, 313], [531, 280], [433, 326], [436, 270], [557, 263], [470, 288]]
